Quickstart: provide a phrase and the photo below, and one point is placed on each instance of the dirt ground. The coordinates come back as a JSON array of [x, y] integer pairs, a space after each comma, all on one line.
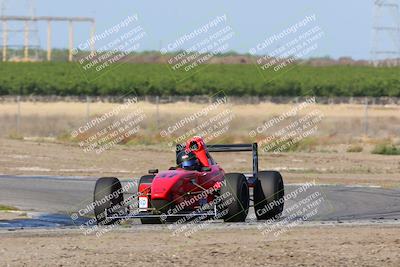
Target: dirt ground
[[301, 246], [19, 157], [311, 245]]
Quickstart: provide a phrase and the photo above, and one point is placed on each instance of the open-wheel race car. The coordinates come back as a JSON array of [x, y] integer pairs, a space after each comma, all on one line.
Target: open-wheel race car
[[197, 187]]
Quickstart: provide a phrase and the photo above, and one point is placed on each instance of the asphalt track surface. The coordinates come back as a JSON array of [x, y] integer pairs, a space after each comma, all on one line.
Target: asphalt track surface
[[51, 200]]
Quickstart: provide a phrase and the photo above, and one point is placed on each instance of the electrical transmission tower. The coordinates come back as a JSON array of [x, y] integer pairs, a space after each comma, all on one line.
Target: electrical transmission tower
[[30, 46], [386, 33], [13, 31]]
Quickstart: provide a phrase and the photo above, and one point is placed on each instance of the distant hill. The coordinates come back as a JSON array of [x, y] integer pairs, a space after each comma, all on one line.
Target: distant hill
[[226, 58]]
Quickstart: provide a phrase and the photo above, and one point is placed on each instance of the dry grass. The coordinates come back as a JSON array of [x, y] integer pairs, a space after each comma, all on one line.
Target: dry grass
[[78, 109], [342, 123], [355, 148]]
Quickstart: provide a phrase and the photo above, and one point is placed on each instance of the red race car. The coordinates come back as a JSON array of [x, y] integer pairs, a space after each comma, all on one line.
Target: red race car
[[197, 187]]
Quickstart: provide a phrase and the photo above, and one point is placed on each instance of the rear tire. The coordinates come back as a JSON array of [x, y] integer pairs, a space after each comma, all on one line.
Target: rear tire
[[235, 192], [148, 179], [269, 188], [109, 201]]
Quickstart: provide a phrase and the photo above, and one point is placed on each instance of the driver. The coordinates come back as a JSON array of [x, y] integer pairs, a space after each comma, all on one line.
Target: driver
[[188, 161]]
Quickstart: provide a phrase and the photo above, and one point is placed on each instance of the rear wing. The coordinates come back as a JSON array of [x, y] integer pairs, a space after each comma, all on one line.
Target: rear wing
[[234, 148]]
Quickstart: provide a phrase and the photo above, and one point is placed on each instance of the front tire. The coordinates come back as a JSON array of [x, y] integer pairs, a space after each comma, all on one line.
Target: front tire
[[108, 199], [268, 195], [235, 192]]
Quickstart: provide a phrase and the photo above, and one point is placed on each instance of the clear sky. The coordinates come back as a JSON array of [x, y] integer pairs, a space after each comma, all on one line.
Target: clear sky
[[346, 24]]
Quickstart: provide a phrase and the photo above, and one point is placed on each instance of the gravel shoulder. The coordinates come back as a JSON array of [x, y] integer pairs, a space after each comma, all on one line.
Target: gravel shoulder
[[63, 159], [300, 246], [315, 245]]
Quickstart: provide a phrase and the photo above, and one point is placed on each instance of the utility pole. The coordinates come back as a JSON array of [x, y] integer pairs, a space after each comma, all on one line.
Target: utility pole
[[4, 29], [92, 37], [26, 41], [71, 40], [5, 39], [48, 40]]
